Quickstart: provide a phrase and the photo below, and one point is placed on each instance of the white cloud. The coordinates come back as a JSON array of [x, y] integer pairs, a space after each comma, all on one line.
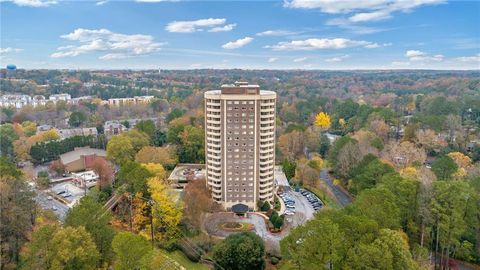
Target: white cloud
[[323, 43], [32, 3], [210, 24], [337, 58], [415, 55], [237, 43], [101, 3], [275, 33], [272, 59], [10, 50], [361, 10], [301, 59], [114, 45], [225, 28], [475, 58]]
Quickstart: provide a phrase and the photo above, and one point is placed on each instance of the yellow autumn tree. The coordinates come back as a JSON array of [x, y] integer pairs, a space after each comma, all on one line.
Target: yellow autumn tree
[[322, 120], [156, 169], [409, 172], [167, 213], [462, 160]]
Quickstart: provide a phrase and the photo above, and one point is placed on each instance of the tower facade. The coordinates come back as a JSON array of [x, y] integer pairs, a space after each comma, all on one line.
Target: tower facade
[[240, 144]]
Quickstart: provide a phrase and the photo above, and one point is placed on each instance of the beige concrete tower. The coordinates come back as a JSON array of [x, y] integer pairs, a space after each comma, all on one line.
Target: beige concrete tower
[[240, 144]]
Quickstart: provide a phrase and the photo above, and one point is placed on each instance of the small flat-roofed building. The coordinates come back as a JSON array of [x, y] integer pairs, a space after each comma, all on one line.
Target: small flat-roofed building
[[70, 132], [81, 158], [184, 173]]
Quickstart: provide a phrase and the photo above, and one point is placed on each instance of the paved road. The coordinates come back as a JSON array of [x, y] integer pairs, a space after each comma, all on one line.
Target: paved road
[[342, 197], [57, 207]]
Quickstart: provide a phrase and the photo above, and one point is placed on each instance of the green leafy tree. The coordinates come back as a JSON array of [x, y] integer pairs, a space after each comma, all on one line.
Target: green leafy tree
[[135, 176], [175, 113], [444, 167], [131, 251], [324, 145], [90, 214], [73, 248], [449, 206], [17, 208], [120, 149], [378, 204], [289, 168], [147, 127], [7, 135], [39, 251], [241, 251], [368, 173], [314, 245], [76, 119], [192, 146]]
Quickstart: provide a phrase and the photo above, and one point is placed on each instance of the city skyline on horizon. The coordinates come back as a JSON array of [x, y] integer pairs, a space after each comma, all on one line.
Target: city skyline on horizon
[[325, 35]]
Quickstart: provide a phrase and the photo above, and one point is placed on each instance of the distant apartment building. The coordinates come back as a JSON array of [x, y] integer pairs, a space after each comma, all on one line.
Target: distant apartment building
[[240, 144], [16, 101], [113, 127], [60, 97], [38, 100], [67, 133], [116, 102]]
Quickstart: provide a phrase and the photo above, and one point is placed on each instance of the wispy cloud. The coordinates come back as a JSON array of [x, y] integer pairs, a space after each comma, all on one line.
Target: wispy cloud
[[272, 59], [210, 25], [361, 11], [301, 59], [101, 3], [337, 58], [10, 50], [237, 43], [322, 43], [32, 3], [474, 58], [114, 45], [275, 33]]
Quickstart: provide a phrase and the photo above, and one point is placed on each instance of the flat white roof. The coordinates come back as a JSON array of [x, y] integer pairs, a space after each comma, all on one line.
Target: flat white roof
[[219, 92]]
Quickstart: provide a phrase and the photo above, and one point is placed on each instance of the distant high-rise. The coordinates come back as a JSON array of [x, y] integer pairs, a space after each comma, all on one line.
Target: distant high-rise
[[240, 144]]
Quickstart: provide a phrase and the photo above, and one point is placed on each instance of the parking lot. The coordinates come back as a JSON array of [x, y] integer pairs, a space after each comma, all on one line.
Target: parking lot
[[47, 202], [300, 206], [68, 192]]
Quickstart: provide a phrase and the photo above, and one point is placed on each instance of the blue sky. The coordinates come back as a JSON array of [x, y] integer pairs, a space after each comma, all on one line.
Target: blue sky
[[292, 34]]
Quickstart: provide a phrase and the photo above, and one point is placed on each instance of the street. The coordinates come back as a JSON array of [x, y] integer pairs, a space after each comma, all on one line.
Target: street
[[341, 196]]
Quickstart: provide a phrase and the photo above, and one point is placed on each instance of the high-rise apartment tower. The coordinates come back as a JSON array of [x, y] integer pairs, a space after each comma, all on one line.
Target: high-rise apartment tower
[[240, 144]]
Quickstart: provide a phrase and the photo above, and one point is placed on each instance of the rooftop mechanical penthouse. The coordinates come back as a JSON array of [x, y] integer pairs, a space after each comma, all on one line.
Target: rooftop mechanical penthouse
[[240, 144]]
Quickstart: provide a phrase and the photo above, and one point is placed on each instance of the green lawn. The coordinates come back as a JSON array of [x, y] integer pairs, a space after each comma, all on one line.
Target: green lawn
[[180, 258]]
